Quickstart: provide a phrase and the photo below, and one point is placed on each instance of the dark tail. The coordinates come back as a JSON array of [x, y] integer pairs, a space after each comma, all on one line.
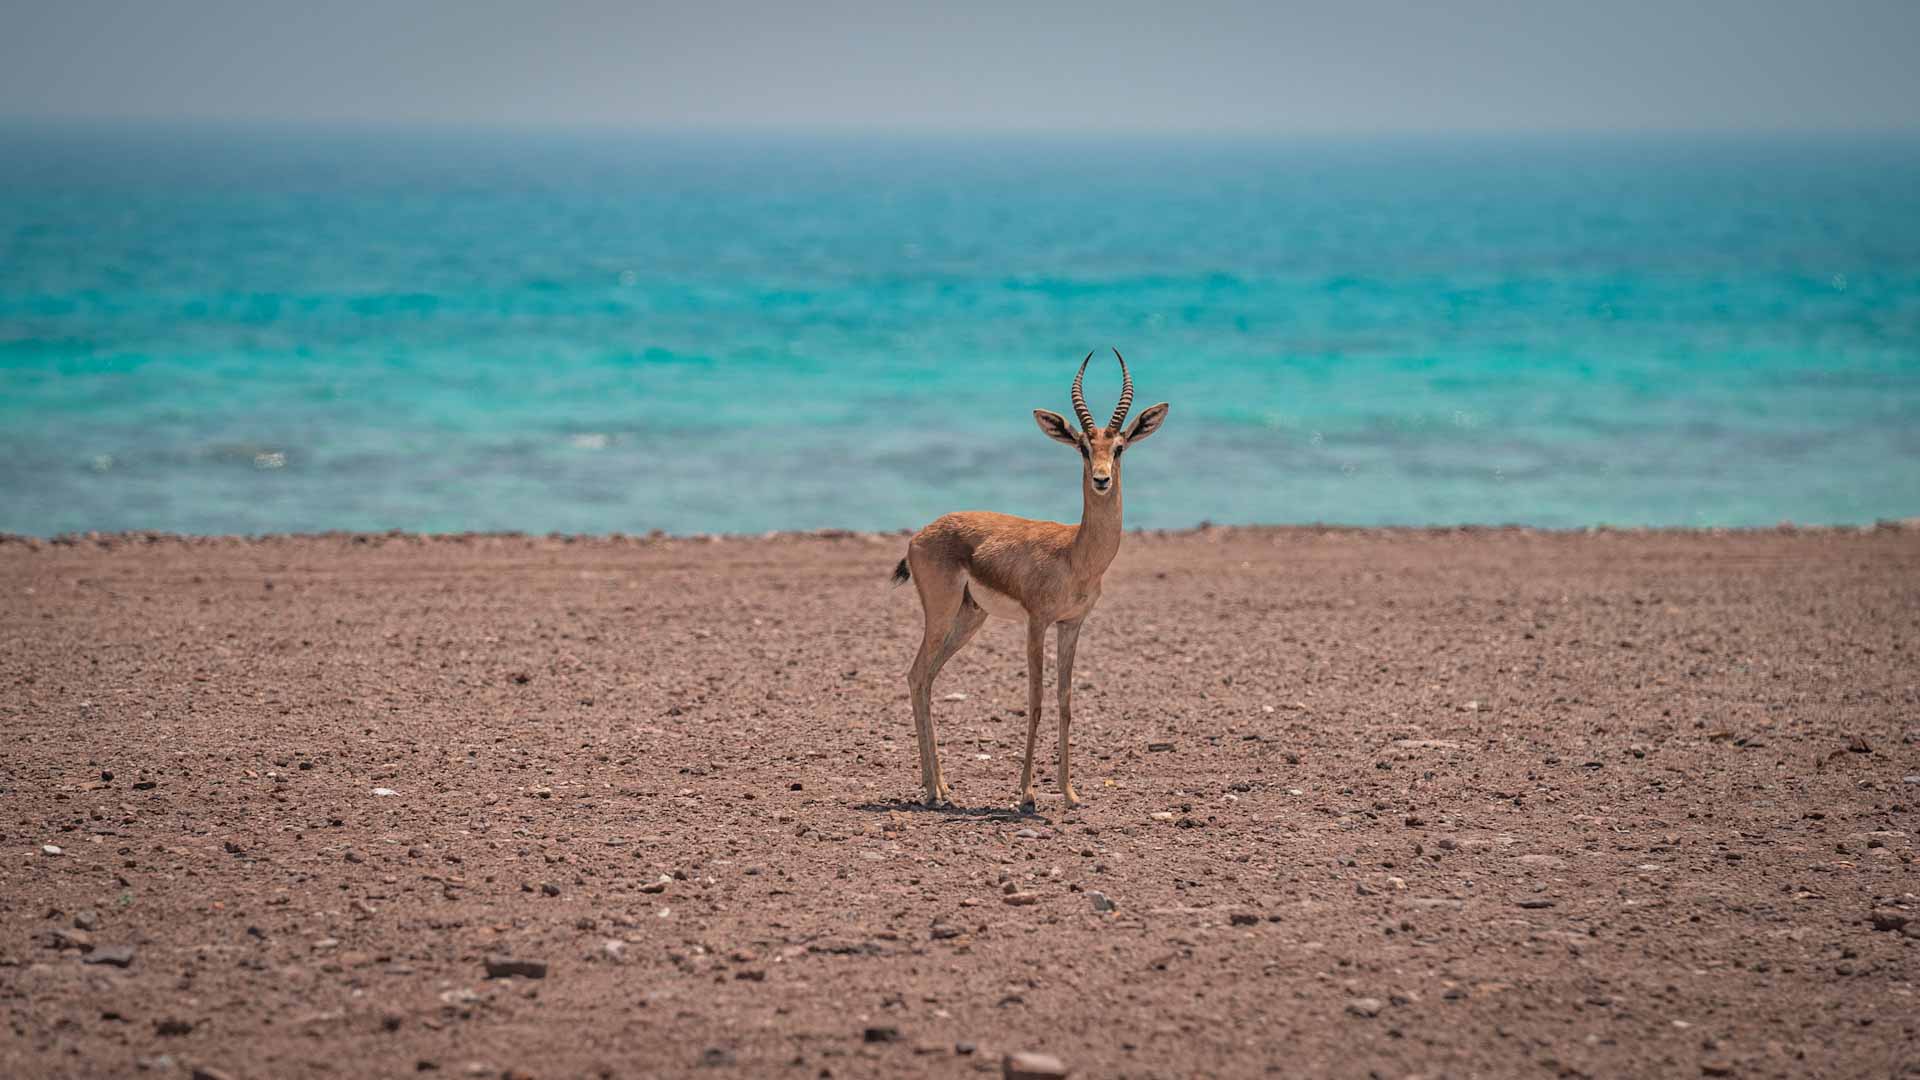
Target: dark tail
[[901, 573]]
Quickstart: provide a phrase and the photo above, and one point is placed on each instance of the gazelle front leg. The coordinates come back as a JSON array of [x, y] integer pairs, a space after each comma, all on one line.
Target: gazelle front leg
[[1069, 636], [1036, 664]]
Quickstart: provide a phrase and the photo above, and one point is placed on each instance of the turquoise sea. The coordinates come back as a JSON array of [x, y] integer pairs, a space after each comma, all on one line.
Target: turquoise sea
[[247, 330]]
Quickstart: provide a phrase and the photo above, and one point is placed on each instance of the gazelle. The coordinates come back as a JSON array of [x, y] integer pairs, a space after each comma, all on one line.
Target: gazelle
[[977, 563]]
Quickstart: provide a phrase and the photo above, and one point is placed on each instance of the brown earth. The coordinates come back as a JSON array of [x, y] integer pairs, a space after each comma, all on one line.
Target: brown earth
[[1487, 803]]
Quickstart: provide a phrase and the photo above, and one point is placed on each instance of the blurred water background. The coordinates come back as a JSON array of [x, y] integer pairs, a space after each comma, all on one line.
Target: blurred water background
[[238, 331]]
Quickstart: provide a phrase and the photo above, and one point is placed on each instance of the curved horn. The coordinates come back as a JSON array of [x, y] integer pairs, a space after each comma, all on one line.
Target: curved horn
[[1080, 399], [1126, 393]]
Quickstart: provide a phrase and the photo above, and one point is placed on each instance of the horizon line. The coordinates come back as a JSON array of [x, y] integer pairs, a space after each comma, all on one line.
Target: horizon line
[[368, 125]]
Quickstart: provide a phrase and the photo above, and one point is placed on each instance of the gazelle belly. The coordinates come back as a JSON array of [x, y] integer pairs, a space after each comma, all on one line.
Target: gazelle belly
[[997, 604]]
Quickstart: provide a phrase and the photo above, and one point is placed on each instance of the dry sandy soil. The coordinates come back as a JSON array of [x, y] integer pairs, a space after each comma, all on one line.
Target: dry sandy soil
[[1488, 803]]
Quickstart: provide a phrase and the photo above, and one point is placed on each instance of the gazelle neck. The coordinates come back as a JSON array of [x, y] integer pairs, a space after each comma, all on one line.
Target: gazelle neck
[[1098, 540]]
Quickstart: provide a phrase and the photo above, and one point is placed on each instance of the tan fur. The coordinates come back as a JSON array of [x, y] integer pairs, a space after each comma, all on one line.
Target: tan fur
[[1049, 571]]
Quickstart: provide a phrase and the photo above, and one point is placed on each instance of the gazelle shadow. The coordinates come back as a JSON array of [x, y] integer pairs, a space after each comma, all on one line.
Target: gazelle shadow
[[954, 813]]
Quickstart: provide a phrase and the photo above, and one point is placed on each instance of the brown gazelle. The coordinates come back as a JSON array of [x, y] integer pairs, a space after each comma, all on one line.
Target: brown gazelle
[[970, 565]]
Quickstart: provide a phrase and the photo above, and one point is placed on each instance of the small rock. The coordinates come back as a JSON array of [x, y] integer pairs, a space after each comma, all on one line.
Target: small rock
[[1365, 1006], [86, 920], [172, 1026], [1101, 901], [1536, 904], [550, 888], [964, 1049], [657, 886], [1889, 918], [1021, 899], [716, 1057], [233, 848], [1716, 1067], [1159, 747], [51, 849], [502, 968], [881, 1034], [117, 955], [208, 1072], [1243, 918], [384, 792], [614, 950], [1027, 1065], [83, 941]]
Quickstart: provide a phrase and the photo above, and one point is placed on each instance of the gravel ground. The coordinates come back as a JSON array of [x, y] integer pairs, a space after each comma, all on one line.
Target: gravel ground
[[1395, 803]]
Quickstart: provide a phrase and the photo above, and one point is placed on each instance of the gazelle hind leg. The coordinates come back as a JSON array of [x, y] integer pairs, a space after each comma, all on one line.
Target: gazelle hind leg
[[1069, 637], [941, 592], [966, 622]]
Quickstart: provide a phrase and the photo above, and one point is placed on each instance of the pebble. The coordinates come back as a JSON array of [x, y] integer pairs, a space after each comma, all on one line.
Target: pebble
[[86, 920], [1536, 904], [208, 1072], [657, 886], [1365, 1006], [1243, 918], [1101, 902], [614, 950], [1889, 919], [503, 968], [1021, 899], [550, 888], [384, 792], [1027, 1065], [51, 849], [80, 939], [118, 955], [881, 1034]]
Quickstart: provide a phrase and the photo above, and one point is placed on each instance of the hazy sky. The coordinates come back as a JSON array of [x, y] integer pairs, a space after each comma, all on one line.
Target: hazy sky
[[1375, 66]]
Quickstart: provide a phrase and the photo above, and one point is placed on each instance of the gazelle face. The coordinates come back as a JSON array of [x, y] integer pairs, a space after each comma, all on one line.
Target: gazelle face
[[1101, 447]]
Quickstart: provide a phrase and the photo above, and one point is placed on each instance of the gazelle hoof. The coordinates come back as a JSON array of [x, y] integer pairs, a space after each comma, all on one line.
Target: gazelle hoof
[[1028, 798], [1073, 799]]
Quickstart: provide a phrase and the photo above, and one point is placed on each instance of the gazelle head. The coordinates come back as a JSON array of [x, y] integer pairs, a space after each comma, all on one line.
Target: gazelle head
[[1101, 447]]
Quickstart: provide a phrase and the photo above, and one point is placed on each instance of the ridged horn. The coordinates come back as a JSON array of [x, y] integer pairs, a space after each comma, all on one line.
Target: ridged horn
[[1126, 393], [1080, 399]]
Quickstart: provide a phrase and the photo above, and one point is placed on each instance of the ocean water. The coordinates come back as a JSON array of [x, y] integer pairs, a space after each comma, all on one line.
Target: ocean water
[[240, 331]]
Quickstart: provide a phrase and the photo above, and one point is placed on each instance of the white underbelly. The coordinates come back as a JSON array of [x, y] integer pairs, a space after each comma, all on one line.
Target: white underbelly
[[997, 604]]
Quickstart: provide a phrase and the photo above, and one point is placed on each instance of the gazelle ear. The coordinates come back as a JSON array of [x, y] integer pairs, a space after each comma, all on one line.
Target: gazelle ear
[[1056, 427], [1146, 423]]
